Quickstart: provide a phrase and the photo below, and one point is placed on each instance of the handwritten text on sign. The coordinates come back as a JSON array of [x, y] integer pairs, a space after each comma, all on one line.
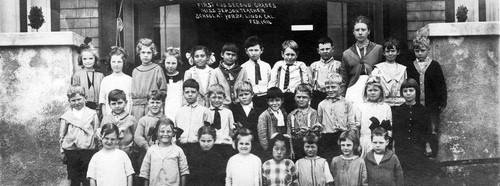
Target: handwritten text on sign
[[253, 13]]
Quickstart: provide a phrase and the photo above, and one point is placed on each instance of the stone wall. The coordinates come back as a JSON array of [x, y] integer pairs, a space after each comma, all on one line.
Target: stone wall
[[81, 17], [35, 73], [421, 13]]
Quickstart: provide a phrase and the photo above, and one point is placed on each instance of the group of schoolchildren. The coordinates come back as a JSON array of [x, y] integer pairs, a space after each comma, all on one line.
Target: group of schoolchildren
[[333, 123]]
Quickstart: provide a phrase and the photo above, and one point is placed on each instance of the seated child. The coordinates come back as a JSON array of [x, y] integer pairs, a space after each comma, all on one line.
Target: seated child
[[125, 122], [302, 118], [258, 71], [110, 166], [246, 113], [165, 162], [382, 166], [229, 73], [207, 166], [391, 73], [221, 119], [190, 117], [244, 168], [273, 120], [336, 114], [146, 77], [146, 125], [320, 70], [313, 170], [77, 135], [348, 168], [279, 170], [288, 73]]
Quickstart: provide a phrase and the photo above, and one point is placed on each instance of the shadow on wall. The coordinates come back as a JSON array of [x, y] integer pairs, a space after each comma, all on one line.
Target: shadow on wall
[[29, 152]]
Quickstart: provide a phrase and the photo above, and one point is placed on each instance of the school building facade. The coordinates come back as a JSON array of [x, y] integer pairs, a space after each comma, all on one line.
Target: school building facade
[[186, 23], [29, 111]]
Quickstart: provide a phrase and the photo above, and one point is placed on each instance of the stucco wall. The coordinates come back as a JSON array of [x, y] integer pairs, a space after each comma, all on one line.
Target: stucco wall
[[470, 125], [34, 80]]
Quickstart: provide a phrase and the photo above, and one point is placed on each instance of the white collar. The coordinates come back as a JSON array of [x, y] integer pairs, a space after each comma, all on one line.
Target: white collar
[[229, 67], [249, 105]]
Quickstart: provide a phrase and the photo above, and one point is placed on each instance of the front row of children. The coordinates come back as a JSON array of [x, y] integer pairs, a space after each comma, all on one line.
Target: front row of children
[[163, 162]]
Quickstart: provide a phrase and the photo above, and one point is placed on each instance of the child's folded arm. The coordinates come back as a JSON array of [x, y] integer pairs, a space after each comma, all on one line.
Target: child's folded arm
[[262, 130], [139, 136]]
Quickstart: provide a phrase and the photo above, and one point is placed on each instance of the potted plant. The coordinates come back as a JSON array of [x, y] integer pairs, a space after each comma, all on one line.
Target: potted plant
[[36, 17], [462, 13]]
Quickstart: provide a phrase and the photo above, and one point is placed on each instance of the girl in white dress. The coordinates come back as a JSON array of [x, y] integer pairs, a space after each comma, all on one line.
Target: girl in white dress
[[174, 82], [116, 80], [373, 106]]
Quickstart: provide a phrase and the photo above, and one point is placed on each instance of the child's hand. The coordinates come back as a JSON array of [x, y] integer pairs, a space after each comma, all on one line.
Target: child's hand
[[428, 151], [63, 158], [237, 125], [292, 154]]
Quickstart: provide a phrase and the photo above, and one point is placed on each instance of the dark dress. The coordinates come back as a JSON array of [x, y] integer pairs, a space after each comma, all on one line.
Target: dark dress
[[411, 129], [206, 168]]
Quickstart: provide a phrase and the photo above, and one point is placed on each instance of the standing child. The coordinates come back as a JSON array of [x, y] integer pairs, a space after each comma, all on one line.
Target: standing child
[[229, 73], [349, 169], [321, 69], [313, 170], [288, 73], [110, 166], [77, 135], [373, 107], [88, 77], [116, 80], [433, 93], [412, 127], [244, 168], [143, 136], [206, 165], [146, 77], [165, 162], [125, 122], [247, 113], [174, 82], [391, 73], [221, 119], [200, 72], [258, 71], [273, 120], [302, 118], [382, 165], [279, 170], [336, 114], [190, 117]]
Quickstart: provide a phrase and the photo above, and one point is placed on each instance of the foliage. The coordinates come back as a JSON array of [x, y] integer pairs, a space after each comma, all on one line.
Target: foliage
[[462, 13], [36, 17]]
